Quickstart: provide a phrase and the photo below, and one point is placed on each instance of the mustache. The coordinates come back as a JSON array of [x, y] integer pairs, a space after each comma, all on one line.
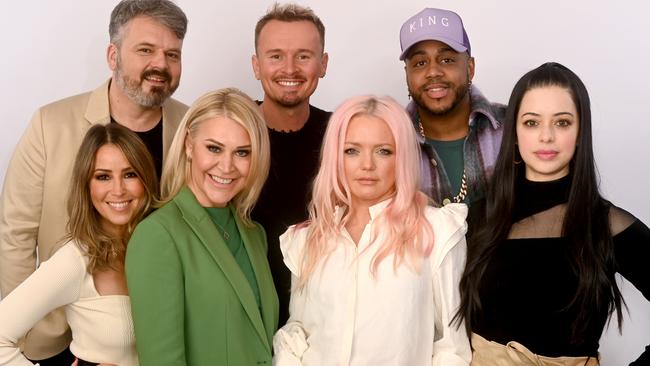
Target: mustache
[[433, 82], [159, 73]]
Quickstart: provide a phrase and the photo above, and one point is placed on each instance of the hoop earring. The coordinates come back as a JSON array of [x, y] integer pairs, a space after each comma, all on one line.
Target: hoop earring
[[514, 160]]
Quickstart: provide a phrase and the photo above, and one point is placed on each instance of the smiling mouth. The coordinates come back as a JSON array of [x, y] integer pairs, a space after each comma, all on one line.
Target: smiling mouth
[[289, 82], [221, 180], [119, 205]]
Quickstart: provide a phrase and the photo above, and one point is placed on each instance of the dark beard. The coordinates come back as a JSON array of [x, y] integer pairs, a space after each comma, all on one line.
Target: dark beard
[[459, 94]]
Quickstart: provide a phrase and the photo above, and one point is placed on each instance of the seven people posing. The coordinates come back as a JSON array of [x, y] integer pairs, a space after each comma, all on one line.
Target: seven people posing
[[375, 270]]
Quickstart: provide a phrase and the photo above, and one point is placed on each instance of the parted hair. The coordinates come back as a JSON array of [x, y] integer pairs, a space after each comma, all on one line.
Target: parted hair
[[290, 13], [84, 225], [163, 11], [227, 103], [409, 236]]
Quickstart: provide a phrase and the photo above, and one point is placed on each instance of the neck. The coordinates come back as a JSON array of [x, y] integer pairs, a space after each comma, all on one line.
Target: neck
[[358, 218], [129, 114], [453, 125], [281, 118]]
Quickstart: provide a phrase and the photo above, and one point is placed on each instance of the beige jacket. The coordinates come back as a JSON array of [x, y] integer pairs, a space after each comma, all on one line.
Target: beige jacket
[[33, 201]]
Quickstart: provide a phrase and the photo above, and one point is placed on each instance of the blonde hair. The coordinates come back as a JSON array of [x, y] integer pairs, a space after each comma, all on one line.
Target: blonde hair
[[84, 225], [228, 103], [409, 235]]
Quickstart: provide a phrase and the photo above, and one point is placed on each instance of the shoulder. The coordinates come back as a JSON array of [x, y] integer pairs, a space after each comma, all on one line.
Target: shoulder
[[64, 107], [449, 228], [319, 115], [619, 220], [176, 108], [292, 244], [447, 218], [69, 257]]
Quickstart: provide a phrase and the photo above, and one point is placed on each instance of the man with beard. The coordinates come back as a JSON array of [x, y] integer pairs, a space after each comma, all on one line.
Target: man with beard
[[145, 56], [459, 130], [289, 59]]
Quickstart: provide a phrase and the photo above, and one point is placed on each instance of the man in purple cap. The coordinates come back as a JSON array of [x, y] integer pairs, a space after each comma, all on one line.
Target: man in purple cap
[[459, 130]]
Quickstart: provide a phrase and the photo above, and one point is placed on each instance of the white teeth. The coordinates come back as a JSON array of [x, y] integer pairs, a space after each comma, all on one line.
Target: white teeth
[[288, 83], [221, 180], [118, 205], [153, 78]]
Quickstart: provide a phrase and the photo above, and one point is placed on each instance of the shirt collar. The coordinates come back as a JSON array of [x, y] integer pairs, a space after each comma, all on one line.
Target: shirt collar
[[375, 210]]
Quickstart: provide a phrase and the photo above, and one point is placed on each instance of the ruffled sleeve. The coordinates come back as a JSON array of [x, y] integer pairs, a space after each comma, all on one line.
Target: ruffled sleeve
[[451, 345], [290, 341]]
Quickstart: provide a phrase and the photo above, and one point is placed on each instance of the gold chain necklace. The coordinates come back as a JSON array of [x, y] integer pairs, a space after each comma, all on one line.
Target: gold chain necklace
[[462, 193]]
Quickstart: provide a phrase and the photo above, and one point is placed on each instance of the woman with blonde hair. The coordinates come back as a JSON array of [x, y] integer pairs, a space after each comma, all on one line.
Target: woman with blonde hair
[[375, 270], [200, 284], [113, 187]]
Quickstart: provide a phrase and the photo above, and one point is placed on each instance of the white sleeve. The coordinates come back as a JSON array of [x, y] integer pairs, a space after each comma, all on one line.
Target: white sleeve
[[290, 341], [451, 344], [55, 283]]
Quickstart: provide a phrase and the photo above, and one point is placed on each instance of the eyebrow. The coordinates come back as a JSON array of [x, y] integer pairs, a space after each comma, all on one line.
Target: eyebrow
[[148, 44], [280, 50], [101, 170], [440, 50], [554, 115], [359, 144], [222, 145]]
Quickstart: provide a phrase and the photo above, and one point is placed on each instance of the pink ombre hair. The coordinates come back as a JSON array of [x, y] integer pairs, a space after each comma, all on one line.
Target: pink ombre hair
[[409, 236]]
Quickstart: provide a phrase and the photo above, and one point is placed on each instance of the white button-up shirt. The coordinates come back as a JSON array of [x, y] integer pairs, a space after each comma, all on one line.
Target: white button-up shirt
[[346, 316]]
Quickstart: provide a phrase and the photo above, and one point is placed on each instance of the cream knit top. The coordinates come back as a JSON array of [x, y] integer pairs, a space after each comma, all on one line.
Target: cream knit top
[[102, 328]]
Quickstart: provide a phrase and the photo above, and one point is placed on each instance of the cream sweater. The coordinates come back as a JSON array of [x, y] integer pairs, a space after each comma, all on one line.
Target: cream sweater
[[102, 329]]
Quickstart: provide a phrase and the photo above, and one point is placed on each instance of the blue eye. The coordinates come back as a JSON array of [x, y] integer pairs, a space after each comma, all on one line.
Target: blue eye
[[350, 151], [214, 149]]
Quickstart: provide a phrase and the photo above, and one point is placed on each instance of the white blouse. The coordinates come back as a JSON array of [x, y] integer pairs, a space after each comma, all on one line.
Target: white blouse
[[102, 327], [347, 316]]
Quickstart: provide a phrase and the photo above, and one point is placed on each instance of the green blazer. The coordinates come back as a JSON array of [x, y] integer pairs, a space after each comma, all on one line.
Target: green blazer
[[191, 303]]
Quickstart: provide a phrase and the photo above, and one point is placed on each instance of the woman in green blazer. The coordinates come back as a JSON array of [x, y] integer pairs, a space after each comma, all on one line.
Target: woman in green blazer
[[200, 285]]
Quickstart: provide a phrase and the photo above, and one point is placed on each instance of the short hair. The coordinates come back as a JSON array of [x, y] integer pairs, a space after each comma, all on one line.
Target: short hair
[[228, 103], [84, 224], [409, 233], [163, 11], [290, 13]]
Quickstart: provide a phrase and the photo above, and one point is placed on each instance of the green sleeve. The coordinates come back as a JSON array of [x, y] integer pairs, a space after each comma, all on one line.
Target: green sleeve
[[155, 281]]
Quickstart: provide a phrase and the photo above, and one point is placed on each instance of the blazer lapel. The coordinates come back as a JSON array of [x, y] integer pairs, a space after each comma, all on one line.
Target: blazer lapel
[[252, 239], [198, 219], [98, 109]]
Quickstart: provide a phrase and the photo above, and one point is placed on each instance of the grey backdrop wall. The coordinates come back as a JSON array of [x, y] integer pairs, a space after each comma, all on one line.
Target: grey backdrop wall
[[56, 49]]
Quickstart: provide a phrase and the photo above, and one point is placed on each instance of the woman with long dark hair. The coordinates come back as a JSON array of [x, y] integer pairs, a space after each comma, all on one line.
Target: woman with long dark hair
[[544, 247]]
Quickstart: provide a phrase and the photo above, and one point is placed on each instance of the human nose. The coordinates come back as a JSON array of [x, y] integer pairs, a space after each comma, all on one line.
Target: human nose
[[159, 60], [118, 187], [367, 162], [546, 133], [290, 65], [226, 163], [434, 70]]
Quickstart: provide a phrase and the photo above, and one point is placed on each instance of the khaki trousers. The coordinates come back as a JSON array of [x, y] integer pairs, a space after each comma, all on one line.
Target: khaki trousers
[[487, 353]]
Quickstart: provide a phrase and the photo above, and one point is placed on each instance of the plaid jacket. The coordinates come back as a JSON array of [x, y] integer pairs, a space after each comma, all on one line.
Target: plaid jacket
[[480, 151]]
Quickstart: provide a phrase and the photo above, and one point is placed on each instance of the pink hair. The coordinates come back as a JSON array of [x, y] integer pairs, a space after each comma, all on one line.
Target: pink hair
[[409, 235]]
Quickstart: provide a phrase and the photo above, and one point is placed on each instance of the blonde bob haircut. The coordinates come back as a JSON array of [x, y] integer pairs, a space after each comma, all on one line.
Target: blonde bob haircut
[[409, 236], [234, 105], [84, 225]]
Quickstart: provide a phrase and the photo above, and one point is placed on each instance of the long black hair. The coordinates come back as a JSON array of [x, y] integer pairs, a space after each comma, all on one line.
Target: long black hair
[[585, 223]]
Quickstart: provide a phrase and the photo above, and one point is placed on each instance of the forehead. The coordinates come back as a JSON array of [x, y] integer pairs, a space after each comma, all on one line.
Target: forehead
[[366, 127], [146, 29], [430, 47], [110, 155], [223, 129], [289, 35], [547, 99]]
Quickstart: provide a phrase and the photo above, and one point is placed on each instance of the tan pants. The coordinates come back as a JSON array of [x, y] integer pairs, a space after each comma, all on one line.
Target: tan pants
[[487, 353]]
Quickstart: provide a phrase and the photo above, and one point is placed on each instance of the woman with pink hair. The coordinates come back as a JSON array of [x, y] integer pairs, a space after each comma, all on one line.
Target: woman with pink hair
[[375, 270]]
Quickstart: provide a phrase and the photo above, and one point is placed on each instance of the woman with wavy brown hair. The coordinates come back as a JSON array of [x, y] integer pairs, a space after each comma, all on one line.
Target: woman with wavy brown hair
[[113, 187]]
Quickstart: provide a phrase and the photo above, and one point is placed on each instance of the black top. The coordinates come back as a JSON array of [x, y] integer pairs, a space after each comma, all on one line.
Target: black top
[[529, 281], [287, 191], [153, 139]]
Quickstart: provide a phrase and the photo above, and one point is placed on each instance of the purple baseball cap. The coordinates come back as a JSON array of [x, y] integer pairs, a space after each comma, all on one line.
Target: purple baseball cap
[[434, 25]]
